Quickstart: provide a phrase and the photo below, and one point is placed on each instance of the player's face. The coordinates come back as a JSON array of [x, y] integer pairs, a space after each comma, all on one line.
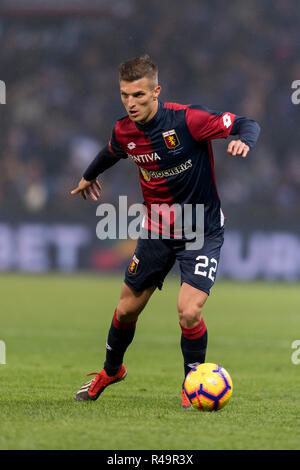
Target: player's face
[[140, 99]]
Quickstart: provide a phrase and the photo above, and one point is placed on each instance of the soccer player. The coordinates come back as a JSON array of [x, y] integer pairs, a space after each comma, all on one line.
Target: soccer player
[[171, 145]]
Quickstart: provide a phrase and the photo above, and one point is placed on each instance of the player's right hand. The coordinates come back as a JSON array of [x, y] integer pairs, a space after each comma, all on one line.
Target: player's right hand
[[88, 188]]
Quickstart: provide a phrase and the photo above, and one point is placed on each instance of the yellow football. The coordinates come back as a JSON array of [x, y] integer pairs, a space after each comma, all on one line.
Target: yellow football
[[208, 387]]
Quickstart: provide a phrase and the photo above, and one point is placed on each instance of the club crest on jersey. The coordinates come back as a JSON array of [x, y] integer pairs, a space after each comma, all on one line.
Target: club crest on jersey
[[133, 265], [171, 139]]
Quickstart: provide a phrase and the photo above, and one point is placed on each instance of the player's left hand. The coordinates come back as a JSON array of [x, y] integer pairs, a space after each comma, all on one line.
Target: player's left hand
[[237, 147]]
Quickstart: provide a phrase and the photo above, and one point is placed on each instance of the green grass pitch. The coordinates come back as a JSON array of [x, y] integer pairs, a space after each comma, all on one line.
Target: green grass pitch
[[55, 329]]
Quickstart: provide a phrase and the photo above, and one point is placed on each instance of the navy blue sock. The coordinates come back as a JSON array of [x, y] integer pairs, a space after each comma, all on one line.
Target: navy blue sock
[[193, 345], [120, 336]]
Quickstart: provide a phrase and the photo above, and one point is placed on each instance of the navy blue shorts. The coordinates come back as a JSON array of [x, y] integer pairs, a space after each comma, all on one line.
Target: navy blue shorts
[[153, 259]]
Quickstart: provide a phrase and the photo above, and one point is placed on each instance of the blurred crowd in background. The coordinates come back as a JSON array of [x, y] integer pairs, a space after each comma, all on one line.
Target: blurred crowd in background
[[63, 99]]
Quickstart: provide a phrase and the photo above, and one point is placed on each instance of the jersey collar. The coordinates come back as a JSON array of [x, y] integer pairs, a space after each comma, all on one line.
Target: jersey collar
[[154, 121]]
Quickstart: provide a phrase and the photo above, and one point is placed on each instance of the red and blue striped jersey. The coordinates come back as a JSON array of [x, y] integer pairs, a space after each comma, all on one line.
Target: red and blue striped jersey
[[174, 155]]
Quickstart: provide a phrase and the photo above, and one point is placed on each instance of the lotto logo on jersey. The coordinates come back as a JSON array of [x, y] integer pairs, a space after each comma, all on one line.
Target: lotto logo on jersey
[[171, 139], [227, 120], [133, 265]]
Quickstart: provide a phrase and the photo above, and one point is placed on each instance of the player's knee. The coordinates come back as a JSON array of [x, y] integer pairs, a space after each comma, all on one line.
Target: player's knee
[[190, 316], [132, 303], [127, 311]]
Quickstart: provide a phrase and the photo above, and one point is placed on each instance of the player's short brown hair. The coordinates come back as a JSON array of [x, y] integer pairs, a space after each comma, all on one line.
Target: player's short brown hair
[[137, 68]]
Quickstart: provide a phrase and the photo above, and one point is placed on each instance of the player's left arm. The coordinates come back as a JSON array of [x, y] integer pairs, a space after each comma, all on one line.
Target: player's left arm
[[205, 124], [248, 131]]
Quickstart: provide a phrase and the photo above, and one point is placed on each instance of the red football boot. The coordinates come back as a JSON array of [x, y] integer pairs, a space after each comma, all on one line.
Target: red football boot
[[185, 401], [92, 389]]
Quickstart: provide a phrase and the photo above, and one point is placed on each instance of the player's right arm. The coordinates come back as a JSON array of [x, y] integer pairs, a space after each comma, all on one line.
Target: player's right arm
[[106, 158]]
